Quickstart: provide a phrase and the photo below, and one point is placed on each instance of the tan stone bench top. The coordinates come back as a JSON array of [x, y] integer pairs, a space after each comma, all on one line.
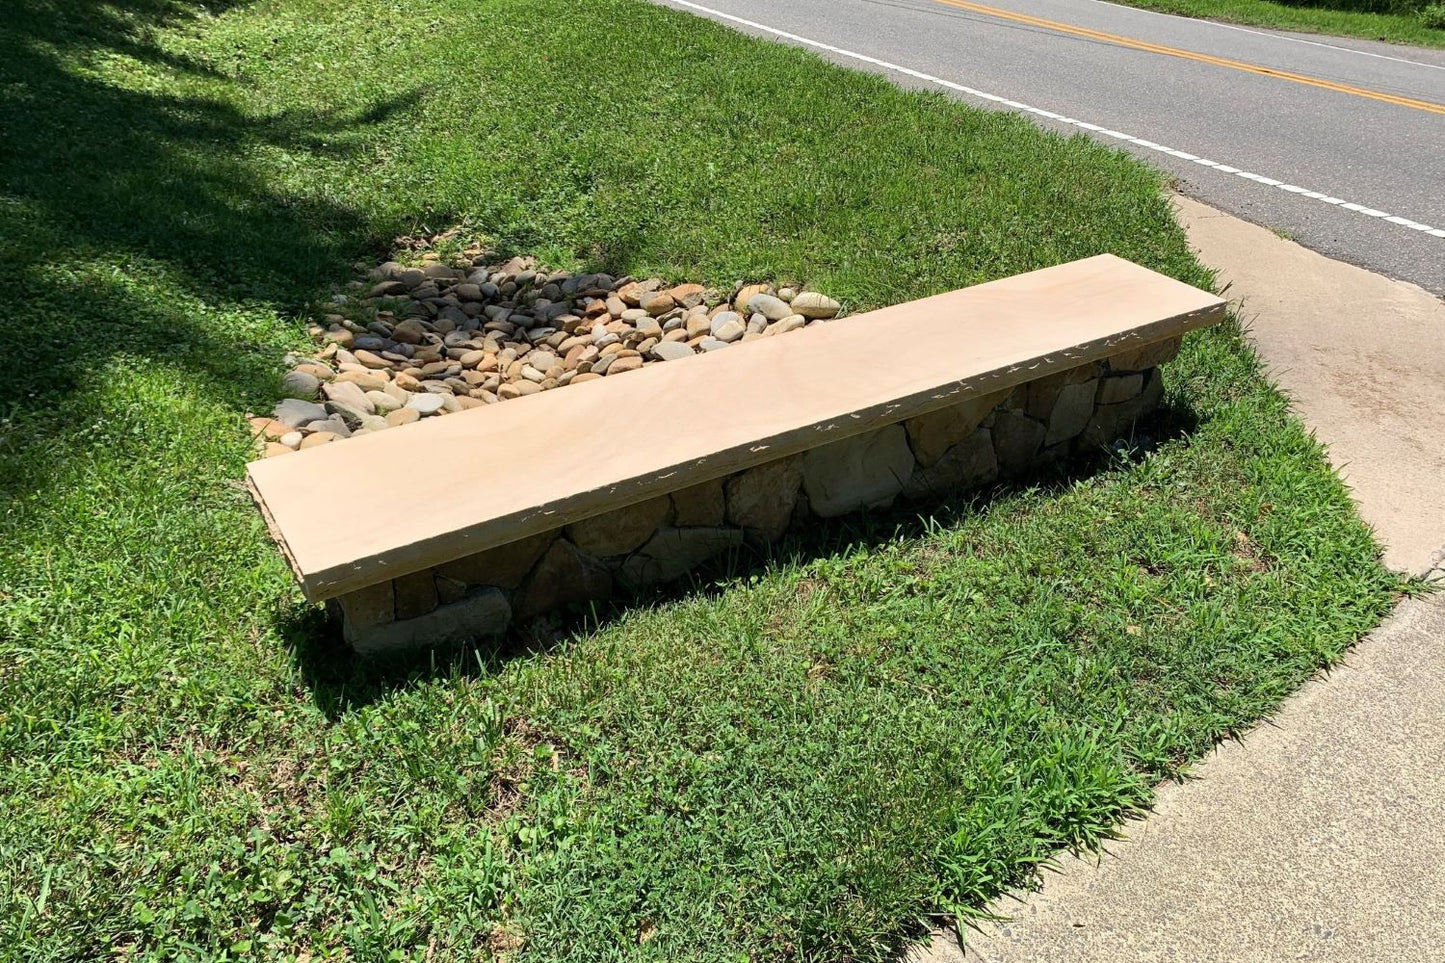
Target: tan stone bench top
[[445, 488]]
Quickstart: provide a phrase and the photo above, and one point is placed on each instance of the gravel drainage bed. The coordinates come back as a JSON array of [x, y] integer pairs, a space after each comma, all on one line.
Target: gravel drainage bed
[[447, 334]]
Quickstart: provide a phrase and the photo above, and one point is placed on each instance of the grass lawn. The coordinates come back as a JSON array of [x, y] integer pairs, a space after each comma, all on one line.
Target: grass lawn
[[1334, 18], [898, 718]]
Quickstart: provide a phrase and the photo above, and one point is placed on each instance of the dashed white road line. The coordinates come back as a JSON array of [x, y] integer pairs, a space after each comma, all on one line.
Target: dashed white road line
[[1060, 118]]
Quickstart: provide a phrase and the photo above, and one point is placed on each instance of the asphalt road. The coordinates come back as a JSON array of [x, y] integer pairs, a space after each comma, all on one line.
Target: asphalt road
[[1357, 122]]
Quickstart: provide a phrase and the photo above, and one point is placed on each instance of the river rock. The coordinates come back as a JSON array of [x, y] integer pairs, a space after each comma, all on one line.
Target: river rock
[[349, 394], [383, 402], [656, 303], [402, 416], [319, 438], [478, 331], [745, 296], [409, 331], [365, 380], [774, 309], [791, 323], [300, 384], [336, 424], [815, 306], [293, 412], [697, 324], [623, 364], [671, 351], [425, 404], [728, 327]]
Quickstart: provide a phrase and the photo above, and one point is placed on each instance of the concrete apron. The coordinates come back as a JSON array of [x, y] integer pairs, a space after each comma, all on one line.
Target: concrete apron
[[1362, 358], [1319, 836]]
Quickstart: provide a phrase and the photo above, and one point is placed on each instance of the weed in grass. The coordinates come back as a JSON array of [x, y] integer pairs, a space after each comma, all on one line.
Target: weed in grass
[[1401, 23]]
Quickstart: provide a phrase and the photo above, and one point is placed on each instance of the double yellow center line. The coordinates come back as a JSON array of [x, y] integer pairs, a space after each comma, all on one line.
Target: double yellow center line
[[1130, 42]]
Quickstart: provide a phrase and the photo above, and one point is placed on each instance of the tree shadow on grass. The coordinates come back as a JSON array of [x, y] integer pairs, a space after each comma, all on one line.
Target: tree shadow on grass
[[135, 214], [341, 681]]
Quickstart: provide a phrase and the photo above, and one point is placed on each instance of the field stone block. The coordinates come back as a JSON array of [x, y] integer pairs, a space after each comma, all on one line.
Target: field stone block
[[1041, 395], [621, 530], [673, 552], [761, 499], [1017, 438], [700, 505], [1112, 422], [416, 594], [1117, 389], [1072, 410], [483, 613], [933, 434], [866, 470], [1053, 454], [563, 576], [969, 464], [504, 566], [370, 606], [1153, 392], [449, 590]]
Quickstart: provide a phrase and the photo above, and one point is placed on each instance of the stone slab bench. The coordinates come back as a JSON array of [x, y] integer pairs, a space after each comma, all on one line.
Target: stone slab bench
[[502, 513]]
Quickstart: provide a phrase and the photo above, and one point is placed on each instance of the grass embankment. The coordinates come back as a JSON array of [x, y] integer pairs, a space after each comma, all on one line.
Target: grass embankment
[[901, 719], [1398, 23]]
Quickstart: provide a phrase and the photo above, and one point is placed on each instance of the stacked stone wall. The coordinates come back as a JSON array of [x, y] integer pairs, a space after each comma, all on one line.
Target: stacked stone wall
[[1006, 435]]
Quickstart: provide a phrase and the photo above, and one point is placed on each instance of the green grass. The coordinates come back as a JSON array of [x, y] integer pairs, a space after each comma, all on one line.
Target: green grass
[[895, 719], [1423, 28]]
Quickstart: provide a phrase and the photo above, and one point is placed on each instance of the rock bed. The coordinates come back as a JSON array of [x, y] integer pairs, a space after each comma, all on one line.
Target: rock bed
[[441, 337]]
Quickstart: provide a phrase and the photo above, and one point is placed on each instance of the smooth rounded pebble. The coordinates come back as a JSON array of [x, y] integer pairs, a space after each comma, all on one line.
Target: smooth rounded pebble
[[425, 404]]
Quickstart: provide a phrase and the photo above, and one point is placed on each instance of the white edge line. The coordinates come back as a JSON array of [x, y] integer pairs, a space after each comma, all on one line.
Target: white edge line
[[1059, 118]]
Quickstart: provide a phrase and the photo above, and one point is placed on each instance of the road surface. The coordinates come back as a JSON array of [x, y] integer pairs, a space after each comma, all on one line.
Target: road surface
[[1339, 144]]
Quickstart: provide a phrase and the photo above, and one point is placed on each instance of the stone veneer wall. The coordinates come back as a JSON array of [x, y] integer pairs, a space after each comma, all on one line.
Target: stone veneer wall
[[999, 436]]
